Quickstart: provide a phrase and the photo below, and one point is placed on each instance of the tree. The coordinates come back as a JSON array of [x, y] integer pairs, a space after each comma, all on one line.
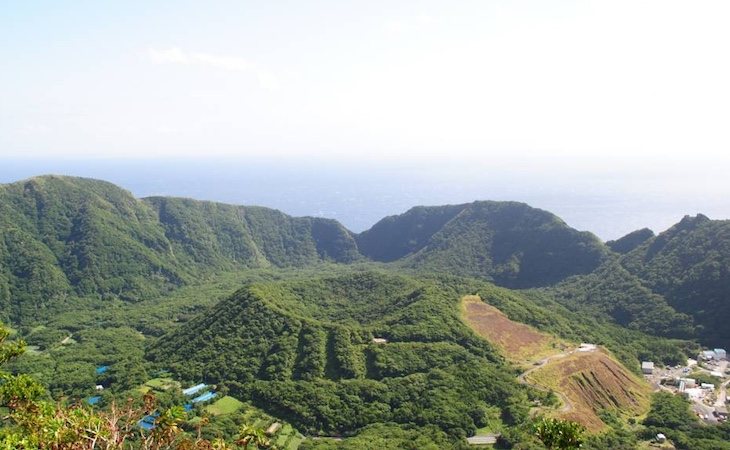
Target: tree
[[251, 435], [560, 434]]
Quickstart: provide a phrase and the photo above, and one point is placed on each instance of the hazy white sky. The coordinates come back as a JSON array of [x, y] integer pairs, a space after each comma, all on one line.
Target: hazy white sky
[[470, 80]]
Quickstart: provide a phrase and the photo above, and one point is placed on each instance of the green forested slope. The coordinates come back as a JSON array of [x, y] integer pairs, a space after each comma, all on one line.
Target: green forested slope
[[629, 242], [62, 236], [507, 242], [303, 350], [689, 264], [611, 290]]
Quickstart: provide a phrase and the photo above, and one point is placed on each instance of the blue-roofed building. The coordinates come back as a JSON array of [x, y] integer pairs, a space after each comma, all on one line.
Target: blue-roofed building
[[93, 400], [204, 398], [148, 422], [194, 389], [101, 370]]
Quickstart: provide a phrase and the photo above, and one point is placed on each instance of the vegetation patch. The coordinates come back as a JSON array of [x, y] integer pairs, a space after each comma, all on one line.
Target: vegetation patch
[[225, 405]]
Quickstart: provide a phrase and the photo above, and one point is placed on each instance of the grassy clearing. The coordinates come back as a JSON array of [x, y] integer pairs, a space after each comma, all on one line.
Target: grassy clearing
[[225, 405], [162, 384]]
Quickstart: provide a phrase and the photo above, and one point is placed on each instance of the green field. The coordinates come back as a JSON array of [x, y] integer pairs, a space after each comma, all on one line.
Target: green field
[[225, 405], [162, 384]]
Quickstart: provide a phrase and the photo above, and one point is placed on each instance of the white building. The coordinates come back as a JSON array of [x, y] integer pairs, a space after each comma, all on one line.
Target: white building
[[647, 367], [707, 355], [720, 353]]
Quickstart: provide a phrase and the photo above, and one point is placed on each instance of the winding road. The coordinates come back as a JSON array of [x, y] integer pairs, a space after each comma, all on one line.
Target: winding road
[[522, 378]]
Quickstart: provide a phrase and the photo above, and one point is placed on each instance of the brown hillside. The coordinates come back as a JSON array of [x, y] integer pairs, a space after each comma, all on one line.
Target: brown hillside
[[590, 382], [517, 341]]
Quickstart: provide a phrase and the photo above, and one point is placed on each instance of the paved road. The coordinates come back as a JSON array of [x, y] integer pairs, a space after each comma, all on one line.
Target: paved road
[[705, 410]]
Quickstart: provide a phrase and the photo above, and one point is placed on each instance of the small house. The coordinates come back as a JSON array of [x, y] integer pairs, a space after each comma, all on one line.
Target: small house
[[99, 387], [720, 353], [378, 340], [689, 382], [707, 386], [660, 438], [647, 367], [707, 355]]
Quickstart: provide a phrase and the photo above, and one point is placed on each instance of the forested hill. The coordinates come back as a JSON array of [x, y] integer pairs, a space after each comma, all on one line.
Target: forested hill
[[689, 264], [64, 236], [510, 243]]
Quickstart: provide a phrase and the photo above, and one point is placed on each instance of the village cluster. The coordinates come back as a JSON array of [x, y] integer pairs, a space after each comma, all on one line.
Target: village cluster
[[704, 381]]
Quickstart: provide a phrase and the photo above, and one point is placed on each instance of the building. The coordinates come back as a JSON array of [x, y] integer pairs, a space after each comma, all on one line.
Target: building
[[707, 355], [689, 382], [647, 367], [378, 340], [707, 386], [192, 390], [660, 438], [720, 353]]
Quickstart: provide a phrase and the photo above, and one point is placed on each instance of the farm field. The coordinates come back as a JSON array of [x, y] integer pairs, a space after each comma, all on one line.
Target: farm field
[[225, 405]]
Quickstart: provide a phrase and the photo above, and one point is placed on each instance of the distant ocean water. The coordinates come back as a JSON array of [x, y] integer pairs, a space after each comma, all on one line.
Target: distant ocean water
[[609, 205]]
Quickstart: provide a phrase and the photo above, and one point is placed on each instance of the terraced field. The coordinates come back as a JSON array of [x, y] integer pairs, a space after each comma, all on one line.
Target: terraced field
[[587, 381], [591, 382]]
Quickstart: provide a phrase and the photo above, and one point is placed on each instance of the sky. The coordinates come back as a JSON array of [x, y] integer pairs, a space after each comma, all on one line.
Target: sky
[[624, 96]]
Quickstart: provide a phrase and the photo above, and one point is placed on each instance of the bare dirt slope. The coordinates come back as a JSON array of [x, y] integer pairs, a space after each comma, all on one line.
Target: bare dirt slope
[[517, 341], [587, 380], [591, 382]]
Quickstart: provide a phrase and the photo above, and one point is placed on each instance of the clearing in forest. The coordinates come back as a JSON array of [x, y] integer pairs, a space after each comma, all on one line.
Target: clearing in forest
[[589, 382], [517, 341]]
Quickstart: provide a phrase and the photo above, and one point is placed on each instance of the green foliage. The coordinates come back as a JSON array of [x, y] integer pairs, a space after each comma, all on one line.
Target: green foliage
[[689, 265], [62, 236], [511, 243], [613, 291], [629, 242], [388, 437], [671, 415], [560, 434], [302, 350]]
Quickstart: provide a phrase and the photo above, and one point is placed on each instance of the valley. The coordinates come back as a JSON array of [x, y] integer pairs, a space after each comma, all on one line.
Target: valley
[[435, 325]]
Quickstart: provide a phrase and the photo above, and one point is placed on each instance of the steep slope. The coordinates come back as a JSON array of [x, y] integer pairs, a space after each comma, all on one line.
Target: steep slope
[[611, 290], [689, 264], [63, 236], [251, 236], [510, 243], [82, 236], [304, 351], [629, 242]]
